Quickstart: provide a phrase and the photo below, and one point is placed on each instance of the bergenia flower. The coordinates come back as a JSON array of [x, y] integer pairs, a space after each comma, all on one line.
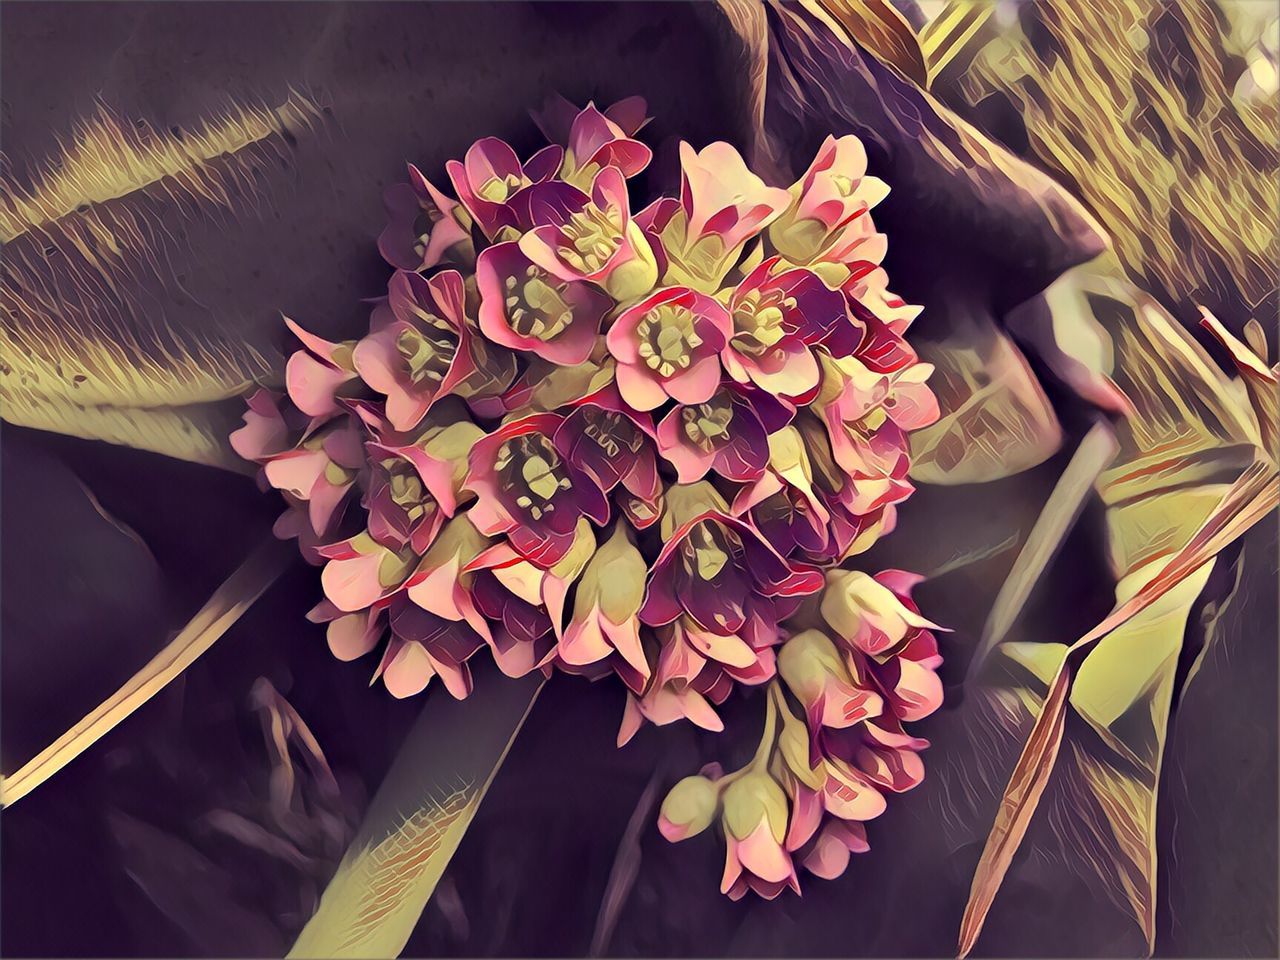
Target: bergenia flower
[[605, 626], [722, 205], [424, 352], [755, 828], [424, 227], [491, 176], [424, 645], [592, 237], [667, 347], [728, 433], [542, 357], [868, 414], [525, 307], [721, 573], [317, 374], [827, 219], [528, 491], [783, 501], [778, 315], [614, 444]]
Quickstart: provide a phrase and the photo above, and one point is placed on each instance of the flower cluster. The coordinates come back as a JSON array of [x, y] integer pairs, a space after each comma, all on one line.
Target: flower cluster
[[630, 442]]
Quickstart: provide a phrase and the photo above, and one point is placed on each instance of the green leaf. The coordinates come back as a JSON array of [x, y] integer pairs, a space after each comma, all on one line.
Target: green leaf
[[416, 821]]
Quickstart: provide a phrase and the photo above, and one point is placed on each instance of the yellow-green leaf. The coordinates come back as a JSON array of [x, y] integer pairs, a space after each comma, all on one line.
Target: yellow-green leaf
[[417, 819]]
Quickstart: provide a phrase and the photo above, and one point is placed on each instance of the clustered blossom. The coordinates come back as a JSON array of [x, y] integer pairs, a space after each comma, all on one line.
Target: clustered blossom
[[642, 442]]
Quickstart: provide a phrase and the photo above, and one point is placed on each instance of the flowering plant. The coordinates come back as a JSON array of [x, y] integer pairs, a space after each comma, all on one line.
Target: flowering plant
[[637, 442]]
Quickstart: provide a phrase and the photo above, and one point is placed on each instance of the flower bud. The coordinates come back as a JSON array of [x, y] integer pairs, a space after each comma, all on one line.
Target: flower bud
[[866, 613], [812, 667], [689, 808]]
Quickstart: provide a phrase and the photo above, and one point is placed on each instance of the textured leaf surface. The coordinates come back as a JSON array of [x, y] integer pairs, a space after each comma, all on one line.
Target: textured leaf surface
[[416, 821]]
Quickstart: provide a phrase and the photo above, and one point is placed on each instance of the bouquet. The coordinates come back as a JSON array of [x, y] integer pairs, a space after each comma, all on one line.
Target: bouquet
[[643, 443]]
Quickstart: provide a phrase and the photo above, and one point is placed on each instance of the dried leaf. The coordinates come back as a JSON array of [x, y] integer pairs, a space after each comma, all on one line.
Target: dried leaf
[[877, 26], [1180, 171], [1255, 494], [416, 821], [224, 608]]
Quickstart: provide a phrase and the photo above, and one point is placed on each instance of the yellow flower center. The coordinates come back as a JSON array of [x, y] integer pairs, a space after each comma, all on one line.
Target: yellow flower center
[[537, 307], [611, 431], [707, 424], [757, 321], [706, 550], [428, 353], [498, 189], [668, 339], [594, 236], [530, 467], [407, 490]]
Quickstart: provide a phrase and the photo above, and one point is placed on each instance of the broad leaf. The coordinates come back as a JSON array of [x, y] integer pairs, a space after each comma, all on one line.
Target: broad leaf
[[416, 820]]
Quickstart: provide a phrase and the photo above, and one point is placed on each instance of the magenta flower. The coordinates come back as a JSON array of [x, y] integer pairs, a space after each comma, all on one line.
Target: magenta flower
[[722, 205], [828, 216], [527, 490], [591, 237], [424, 353], [778, 315], [315, 462], [868, 414], [594, 139], [721, 573], [491, 176], [424, 227], [424, 645], [410, 494], [452, 471], [612, 443], [728, 433], [524, 307], [667, 347]]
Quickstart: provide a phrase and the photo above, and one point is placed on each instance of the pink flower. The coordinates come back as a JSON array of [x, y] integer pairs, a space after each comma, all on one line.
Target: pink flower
[[424, 227], [783, 501], [595, 140], [317, 374], [424, 645], [728, 433], [722, 205], [491, 176], [778, 314], [591, 237], [604, 626], [828, 219], [527, 490], [316, 462], [667, 346], [362, 572], [525, 307], [755, 827], [424, 353], [868, 414], [821, 680]]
